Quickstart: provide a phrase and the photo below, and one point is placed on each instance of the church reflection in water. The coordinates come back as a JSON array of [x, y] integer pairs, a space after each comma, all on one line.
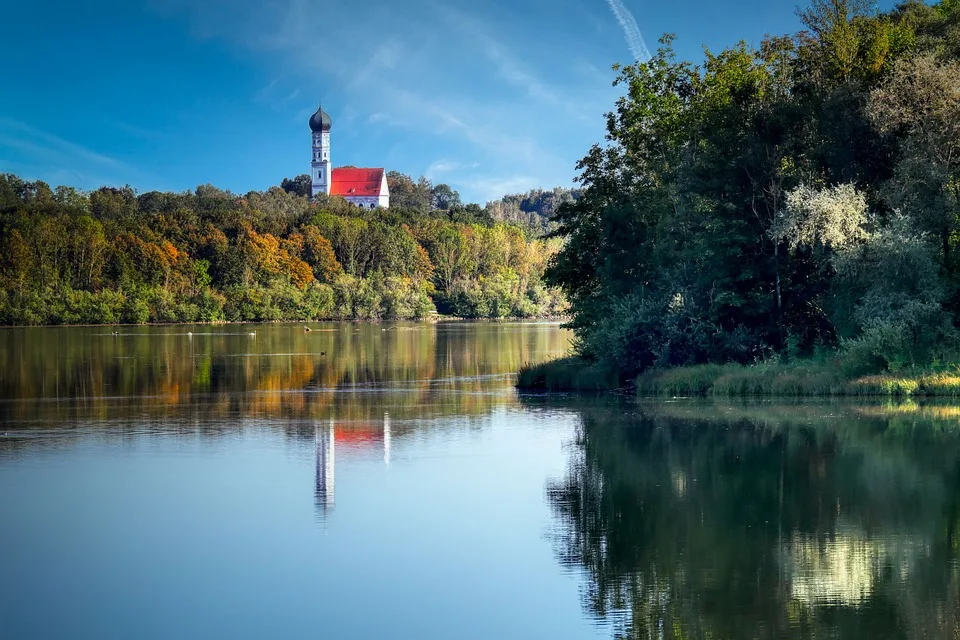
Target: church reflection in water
[[365, 436]]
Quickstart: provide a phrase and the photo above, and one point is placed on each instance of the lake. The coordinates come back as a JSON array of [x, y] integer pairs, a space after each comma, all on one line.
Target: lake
[[387, 481]]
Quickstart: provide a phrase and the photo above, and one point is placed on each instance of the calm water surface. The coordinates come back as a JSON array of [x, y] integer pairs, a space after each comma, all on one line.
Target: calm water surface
[[364, 481]]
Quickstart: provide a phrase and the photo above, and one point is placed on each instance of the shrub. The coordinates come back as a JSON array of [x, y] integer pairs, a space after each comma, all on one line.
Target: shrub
[[210, 306], [317, 302], [567, 374], [135, 309]]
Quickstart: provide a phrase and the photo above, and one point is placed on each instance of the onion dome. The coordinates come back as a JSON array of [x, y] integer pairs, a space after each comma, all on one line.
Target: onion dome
[[320, 121]]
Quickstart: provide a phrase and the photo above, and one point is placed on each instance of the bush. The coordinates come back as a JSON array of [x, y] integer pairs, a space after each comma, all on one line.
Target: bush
[[913, 334], [317, 302], [404, 298], [567, 374], [247, 304], [135, 309], [501, 295], [343, 290], [210, 305], [24, 309], [103, 307], [163, 305]]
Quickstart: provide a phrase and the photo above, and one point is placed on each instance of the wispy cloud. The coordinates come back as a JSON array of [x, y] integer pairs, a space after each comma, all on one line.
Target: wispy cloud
[[17, 132], [440, 168], [266, 91], [49, 157], [450, 82], [630, 30], [494, 187], [507, 64], [277, 93]]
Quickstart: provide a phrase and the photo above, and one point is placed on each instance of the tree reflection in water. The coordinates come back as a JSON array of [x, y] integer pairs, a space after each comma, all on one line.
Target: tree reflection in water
[[705, 521], [216, 379]]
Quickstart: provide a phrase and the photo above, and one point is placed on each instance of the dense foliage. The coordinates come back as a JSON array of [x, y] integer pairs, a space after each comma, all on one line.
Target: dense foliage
[[533, 210], [778, 201], [112, 256]]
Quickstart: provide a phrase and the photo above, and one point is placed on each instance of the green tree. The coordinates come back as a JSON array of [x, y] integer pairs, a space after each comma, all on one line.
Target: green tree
[[443, 197], [299, 186]]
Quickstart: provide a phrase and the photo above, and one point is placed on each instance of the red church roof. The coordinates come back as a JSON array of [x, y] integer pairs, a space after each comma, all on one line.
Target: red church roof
[[356, 182]]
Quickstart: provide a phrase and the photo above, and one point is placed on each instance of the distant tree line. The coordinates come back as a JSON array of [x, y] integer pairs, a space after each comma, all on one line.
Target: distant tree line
[[114, 256], [533, 211], [777, 201]]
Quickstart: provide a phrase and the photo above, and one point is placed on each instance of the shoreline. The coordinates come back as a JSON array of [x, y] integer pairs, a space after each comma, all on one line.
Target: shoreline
[[799, 379], [215, 323]]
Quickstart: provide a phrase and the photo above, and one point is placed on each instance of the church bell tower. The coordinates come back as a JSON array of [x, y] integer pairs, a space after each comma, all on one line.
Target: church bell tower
[[320, 162]]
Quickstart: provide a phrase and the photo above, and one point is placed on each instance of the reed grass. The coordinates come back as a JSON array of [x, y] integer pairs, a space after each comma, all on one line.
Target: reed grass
[[566, 374], [798, 380]]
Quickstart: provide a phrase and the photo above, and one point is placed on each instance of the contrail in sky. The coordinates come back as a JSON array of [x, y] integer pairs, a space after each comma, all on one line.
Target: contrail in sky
[[630, 29]]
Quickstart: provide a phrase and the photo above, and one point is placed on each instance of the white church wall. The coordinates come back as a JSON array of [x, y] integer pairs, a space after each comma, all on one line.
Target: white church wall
[[367, 202]]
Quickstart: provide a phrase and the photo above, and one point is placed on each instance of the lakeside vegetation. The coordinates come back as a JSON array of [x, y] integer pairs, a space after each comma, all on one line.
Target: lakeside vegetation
[[805, 379], [114, 256], [774, 220], [800, 379]]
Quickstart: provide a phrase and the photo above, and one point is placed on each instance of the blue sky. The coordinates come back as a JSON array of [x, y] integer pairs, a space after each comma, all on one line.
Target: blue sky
[[490, 97]]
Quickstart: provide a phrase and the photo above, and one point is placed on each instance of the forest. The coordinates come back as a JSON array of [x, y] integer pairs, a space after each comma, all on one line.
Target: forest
[[114, 256], [798, 199]]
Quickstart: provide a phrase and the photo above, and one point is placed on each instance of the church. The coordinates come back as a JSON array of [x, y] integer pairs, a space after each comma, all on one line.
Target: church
[[366, 188]]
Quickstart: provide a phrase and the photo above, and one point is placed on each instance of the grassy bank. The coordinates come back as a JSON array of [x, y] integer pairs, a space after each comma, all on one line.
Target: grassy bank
[[566, 374], [801, 379], [797, 380]]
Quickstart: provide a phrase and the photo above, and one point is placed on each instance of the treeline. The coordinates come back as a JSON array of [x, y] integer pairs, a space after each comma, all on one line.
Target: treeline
[[779, 201], [113, 256], [533, 211]]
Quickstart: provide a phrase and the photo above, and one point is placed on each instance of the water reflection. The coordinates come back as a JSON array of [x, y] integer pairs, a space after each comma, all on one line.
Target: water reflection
[[845, 568], [706, 521], [164, 378], [255, 486], [365, 437], [326, 468]]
